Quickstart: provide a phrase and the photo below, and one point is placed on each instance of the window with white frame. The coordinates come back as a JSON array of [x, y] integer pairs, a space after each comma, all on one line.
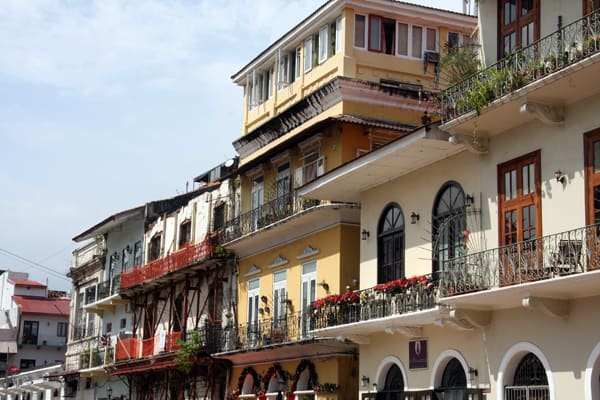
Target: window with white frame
[[279, 299], [417, 41], [338, 36], [360, 31], [287, 64], [61, 329], [298, 62], [308, 54], [323, 44], [382, 34]]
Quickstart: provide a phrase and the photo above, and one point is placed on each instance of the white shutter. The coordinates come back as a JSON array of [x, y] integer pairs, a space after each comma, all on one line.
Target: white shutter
[[321, 166], [298, 177]]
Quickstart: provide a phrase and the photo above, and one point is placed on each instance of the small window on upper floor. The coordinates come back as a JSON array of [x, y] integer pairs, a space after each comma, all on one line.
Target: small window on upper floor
[[219, 217], [298, 62], [360, 29], [154, 247], [137, 253], [308, 54], [62, 329], [323, 44], [382, 34], [185, 233], [108, 327], [287, 72], [338, 36], [123, 323], [453, 41]]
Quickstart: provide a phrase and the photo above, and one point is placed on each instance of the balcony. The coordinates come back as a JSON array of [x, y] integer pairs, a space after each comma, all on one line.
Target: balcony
[[284, 219], [92, 251], [136, 348], [189, 255], [535, 81], [96, 358], [381, 304], [564, 265], [103, 296]]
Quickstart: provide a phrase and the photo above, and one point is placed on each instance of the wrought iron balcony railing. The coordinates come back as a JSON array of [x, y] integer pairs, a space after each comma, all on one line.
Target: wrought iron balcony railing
[[562, 48], [398, 297], [571, 252], [267, 331], [189, 255], [102, 290], [93, 358], [460, 393], [268, 213]]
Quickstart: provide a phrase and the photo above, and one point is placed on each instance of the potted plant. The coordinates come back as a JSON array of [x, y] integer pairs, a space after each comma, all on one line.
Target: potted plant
[[261, 395]]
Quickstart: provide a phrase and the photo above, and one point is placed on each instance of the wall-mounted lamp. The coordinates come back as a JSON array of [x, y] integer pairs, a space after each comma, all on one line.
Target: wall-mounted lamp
[[324, 285], [365, 234], [469, 200], [355, 283], [364, 381], [414, 217], [473, 373], [559, 176], [374, 386]]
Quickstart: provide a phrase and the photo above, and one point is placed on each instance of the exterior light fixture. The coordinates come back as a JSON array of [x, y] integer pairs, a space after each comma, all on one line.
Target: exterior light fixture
[[374, 386], [364, 381], [365, 234], [414, 217], [324, 285], [559, 176], [473, 373], [469, 200]]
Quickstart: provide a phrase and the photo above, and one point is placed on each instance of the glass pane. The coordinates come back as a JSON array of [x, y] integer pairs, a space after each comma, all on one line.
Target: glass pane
[[279, 276], [532, 177], [417, 41], [253, 284], [525, 178], [308, 54], [375, 33], [431, 39], [507, 186], [596, 204], [309, 267], [359, 30], [596, 150], [513, 183], [526, 6], [510, 11], [403, 39]]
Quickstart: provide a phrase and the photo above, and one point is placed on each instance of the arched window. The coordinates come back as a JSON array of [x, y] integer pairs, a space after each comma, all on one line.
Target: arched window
[[449, 223], [394, 383], [530, 379], [390, 244], [454, 381]]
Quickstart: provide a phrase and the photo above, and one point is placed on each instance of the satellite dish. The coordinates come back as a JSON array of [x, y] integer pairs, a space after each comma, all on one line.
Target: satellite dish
[[229, 163]]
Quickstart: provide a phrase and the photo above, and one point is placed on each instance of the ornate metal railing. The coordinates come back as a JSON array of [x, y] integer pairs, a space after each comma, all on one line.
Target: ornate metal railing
[[565, 253], [266, 332], [189, 255], [378, 302], [562, 48], [268, 213], [471, 394], [102, 290], [539, 392]]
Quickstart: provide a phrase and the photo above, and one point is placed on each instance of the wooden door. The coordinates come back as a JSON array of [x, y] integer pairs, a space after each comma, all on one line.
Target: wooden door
[[592, 197]]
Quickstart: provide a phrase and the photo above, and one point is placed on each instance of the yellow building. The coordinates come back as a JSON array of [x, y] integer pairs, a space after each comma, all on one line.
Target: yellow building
[[348, 79], [494, 215]]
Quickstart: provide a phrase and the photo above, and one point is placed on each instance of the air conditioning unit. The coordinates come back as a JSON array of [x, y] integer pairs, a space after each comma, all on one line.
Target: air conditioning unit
[[432, 56]]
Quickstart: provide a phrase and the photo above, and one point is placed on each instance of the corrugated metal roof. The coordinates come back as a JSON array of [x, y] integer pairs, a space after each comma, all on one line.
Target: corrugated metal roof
[[43, 305]]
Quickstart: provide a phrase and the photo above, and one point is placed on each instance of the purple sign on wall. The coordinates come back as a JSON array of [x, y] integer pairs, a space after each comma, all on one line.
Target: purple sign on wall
[[417, 354]]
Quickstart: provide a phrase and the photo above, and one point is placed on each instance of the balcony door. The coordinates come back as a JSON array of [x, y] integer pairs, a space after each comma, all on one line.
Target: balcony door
[[390, 244], [253, 330], [282, 189], [309, 294], [519, 26], [279, 300], [258, 193], [520, 217], [590, 5], [592, 196]]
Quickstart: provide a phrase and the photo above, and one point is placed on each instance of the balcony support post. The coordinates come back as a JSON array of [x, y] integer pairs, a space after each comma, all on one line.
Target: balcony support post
[[547, 114], [474, 318], [552, 307]]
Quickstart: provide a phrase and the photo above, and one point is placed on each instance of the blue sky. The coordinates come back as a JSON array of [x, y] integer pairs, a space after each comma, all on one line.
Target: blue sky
[[106, 104]]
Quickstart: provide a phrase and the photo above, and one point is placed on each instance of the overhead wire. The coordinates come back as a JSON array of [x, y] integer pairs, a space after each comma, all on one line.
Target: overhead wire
[[35, 264]]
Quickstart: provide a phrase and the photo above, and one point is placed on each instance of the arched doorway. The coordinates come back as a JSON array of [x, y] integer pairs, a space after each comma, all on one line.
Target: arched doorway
[[390, 244], [448, 224], [454, 381], [529, 381], [392, 385]]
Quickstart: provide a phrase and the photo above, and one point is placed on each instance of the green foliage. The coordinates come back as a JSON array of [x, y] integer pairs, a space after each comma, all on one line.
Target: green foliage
[[459, 63], [188, 350]]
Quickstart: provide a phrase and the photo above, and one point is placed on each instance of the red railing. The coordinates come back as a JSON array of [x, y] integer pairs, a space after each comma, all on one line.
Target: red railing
[[148, 347], [172, 338], [171, 262], [126, 349]]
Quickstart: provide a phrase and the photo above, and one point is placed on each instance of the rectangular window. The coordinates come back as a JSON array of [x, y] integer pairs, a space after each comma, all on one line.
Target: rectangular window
[[310, 164], [26, 363], [417, 42], [402, 39], [185, 233], [323, 44], [154, 247], [518, 21], [250, 95], [360, 29], [308, 54], [431, 39], [269, 82], [62, 329], [279, 299], [374, 33], [30, 332], [219, 217], [298, 62], [338, 35], [453, 40], [123, 323], [309, 294], [125, 258], [137, 253], [108, 327]]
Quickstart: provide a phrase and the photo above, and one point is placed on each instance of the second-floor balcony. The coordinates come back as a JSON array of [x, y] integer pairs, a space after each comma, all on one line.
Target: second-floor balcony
[[97, 357], [187, 256], [103, 296], [563, 266], [524, 84]]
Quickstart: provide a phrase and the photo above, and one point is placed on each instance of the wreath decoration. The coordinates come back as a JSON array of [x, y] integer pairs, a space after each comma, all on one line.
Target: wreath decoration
[[313, 379], [255, 379], [274, 371]]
